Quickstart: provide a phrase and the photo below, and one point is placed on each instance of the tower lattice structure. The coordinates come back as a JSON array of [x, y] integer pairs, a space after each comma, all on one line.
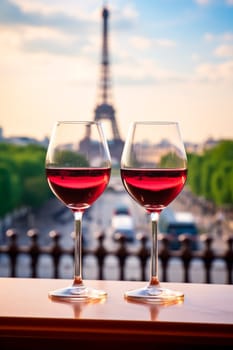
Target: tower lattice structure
[[104, 109]]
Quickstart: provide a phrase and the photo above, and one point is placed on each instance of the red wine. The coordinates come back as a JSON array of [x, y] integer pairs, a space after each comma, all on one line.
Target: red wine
[[78, 188], [154, 189]]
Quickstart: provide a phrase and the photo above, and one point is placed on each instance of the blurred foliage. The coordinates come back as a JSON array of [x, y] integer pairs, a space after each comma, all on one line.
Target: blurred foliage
[[22, 177], [211, 174], [172, 160], [70, 158], [23, 181]]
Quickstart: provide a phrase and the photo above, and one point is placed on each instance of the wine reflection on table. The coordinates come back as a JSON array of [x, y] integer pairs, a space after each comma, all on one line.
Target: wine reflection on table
[[77, 305], [155, 308]]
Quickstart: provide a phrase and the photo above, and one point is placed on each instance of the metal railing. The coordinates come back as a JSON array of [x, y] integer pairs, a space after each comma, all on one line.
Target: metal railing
[[185, 254]]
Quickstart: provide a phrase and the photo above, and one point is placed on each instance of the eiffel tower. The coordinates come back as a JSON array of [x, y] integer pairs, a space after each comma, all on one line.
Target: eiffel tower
[[104, 110]]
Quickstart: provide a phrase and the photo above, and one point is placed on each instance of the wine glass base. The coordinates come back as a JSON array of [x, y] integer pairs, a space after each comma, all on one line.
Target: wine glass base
[[77, 293], [154, 294]]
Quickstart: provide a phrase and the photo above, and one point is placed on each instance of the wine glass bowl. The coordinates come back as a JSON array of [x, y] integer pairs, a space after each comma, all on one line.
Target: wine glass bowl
[[154, 172], [78, 168]]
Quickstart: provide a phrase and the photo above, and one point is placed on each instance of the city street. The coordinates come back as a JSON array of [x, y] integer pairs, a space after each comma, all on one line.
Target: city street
[[55, 216]]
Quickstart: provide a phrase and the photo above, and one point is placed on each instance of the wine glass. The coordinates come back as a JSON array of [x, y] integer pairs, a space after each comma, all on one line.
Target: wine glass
[[154, 171], [78, 168]]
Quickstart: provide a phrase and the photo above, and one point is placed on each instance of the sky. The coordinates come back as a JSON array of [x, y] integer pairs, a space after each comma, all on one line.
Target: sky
[[169, 60]]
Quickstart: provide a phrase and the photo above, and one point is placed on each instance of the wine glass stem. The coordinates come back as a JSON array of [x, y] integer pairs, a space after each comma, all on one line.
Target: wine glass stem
[[154, 280], [78, 248]]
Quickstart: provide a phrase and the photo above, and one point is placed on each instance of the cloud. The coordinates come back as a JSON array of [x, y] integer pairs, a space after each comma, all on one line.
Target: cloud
[[210, 2], [203, 2], [72, 17], [224, 51], [41, 27], [144, 71], [13, 15], [223, 37], [224, 41], [27, 39], [142, 43], [164, 42], [75, 25], [73, 8], [53, 47], [215, 72], [129, 12]]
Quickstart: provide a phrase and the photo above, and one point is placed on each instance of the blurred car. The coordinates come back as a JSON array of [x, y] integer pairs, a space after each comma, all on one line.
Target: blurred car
[[122, 223], [128, 234], [176, 224], [178, 228], [121, 210]]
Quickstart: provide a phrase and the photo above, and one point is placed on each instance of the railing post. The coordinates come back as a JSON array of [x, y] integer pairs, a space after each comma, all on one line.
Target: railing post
[[207, 256], [143, 254], [122, 254], [100, 254], [34, 251], [186, 254], [13, 250], [56, 251], [164, 255]]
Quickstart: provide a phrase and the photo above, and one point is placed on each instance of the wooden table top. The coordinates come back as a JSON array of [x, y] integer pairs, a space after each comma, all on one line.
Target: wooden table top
[[205, 316]]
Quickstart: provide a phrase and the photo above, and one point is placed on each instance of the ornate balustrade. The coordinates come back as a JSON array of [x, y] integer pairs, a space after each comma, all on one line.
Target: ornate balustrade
[[186, 255]]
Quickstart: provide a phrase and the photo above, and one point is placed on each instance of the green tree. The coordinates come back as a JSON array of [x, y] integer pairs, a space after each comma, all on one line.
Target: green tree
[[22, 177], [208, 168], [194, 170], [69, 158], [211, 174], [221, 184]]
